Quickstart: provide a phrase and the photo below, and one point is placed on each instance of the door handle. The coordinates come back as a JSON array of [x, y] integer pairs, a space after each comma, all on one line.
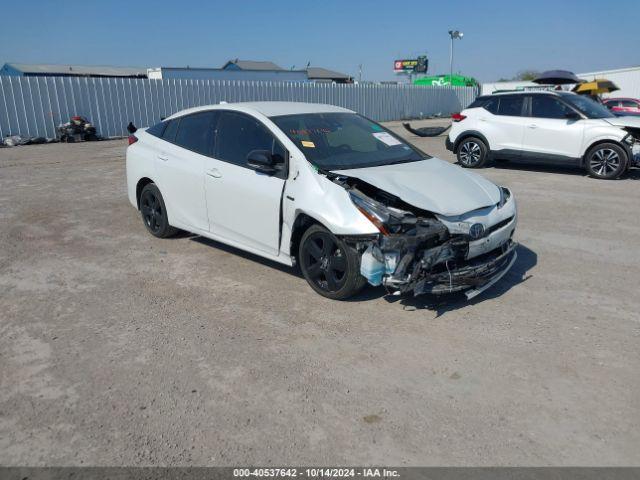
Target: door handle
[[214, 172], [163, 157], [533, 125]]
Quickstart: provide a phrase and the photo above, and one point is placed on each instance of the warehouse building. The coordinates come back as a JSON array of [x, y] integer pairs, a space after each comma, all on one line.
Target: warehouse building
[[251, 65], [261, 75], [319, 74], [95, 71], [248, 70]]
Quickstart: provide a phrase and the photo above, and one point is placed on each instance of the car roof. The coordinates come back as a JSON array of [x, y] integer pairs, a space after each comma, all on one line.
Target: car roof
[[527, 92], [268, 109]]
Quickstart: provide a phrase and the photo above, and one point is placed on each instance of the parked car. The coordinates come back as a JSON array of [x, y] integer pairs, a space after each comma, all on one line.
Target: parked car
[[623, 106], [556, 127], [322, 187]]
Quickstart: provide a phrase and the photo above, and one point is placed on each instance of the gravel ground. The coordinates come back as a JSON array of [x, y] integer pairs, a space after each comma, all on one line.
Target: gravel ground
[[117, 348]]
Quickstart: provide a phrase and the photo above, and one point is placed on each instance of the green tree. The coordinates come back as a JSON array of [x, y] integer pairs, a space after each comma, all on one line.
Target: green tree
[[522, 76], [527, 75]]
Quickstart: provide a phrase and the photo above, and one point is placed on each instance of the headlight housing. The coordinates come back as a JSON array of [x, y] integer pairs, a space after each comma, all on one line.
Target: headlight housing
[[376, 212], [505, 195], [386, 219]]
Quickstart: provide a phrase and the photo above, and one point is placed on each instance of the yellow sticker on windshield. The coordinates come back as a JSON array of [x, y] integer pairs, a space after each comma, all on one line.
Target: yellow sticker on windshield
[[308, 144]]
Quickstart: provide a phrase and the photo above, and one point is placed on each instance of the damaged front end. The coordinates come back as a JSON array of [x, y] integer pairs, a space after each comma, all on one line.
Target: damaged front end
[[632, 139], [421, 252]]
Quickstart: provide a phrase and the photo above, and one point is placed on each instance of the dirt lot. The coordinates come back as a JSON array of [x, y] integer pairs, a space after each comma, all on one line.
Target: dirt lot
[[119, 348]]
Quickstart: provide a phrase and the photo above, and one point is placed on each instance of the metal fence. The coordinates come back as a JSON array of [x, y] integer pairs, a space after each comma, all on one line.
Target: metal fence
[[34, 106]]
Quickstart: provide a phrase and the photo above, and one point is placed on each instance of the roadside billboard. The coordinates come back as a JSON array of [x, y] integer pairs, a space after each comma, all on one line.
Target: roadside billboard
[[415, 65]]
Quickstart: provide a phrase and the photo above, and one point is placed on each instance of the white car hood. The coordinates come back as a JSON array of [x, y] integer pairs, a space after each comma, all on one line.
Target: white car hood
[[624, 121], [434, 185]]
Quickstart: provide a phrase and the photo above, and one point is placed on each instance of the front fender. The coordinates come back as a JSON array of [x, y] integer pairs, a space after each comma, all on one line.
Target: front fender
[[311, 193]]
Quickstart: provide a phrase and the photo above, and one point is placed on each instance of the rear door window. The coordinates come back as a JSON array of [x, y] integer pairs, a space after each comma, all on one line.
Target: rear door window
[[511, 106], [196, 132]]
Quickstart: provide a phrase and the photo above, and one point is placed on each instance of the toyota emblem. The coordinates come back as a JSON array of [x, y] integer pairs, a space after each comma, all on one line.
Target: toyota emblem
[[476, 231]]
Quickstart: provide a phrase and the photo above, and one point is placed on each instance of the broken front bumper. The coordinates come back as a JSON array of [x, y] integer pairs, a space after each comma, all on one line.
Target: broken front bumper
[[436, 264], [474, 277]]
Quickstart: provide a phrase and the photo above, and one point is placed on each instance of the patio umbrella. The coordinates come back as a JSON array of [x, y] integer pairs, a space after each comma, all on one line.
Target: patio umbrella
[[596, 87], [557, 77]]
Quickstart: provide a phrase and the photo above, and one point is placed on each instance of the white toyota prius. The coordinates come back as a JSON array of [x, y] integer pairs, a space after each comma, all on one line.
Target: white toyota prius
[[322, 187]]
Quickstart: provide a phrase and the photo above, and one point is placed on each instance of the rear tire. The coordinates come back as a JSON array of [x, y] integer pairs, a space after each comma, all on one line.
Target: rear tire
[[154, 212], [472, 153], [330, 266], [606, 161]]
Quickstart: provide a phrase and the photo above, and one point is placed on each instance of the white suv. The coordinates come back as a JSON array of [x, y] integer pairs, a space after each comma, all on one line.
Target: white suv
[[545, 127]]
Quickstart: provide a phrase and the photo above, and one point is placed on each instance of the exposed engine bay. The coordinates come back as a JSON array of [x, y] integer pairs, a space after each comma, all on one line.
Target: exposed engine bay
[[421, 252]]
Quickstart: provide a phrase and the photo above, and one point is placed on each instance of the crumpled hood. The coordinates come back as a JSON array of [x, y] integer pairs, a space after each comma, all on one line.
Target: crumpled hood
[[434, 185], [624, 121]]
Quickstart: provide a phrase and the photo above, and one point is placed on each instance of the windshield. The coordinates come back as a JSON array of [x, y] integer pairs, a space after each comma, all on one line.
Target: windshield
[[340, 141], [590, 108]]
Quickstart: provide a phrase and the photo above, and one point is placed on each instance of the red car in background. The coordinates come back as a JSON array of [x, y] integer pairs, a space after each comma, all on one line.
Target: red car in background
[[623, 106]]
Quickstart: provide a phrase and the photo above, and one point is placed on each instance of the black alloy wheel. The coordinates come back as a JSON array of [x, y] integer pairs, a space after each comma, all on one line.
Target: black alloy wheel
[[331, 267], [154, 213]]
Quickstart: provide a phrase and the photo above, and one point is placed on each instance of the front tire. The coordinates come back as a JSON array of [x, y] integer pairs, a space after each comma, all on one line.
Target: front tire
[[472, 153], [330, 266], [606, 161], [154, 212]]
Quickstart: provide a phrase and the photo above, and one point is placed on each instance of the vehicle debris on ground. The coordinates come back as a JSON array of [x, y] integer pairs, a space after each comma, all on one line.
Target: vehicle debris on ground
[[76, 130]]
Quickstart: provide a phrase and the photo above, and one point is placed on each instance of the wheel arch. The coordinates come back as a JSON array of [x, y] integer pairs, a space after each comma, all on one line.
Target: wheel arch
[[143, 182], [594, 144], [470, 133], [302, 222]]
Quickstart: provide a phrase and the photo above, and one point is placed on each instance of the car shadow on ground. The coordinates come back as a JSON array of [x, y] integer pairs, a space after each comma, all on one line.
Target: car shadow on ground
[[632, 174], [519, 273], [241, 253], [526, 260]]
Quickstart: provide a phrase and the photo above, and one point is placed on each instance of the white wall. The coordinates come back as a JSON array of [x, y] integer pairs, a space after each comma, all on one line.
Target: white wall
[[489, 88], [628, 79]]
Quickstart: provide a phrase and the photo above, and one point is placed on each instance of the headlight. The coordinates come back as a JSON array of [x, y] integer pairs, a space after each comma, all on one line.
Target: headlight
[[505, 195], [376, 212]]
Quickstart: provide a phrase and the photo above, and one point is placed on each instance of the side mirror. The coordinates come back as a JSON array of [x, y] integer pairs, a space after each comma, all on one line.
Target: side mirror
[[261, 161], [572, 116]]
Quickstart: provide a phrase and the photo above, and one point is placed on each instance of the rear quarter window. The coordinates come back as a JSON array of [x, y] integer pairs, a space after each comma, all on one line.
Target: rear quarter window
[[478, 102], [169, 133], [490, 104], [158, 129]]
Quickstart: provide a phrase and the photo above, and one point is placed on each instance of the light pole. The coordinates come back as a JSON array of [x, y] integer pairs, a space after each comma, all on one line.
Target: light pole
[[453, 34]]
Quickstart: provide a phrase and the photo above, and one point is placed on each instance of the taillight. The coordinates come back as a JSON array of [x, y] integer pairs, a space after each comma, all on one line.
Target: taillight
[[132, 139], [457, 117]]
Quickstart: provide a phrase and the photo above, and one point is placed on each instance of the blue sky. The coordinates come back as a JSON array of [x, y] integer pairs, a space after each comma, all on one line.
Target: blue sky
[[500, 38]]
